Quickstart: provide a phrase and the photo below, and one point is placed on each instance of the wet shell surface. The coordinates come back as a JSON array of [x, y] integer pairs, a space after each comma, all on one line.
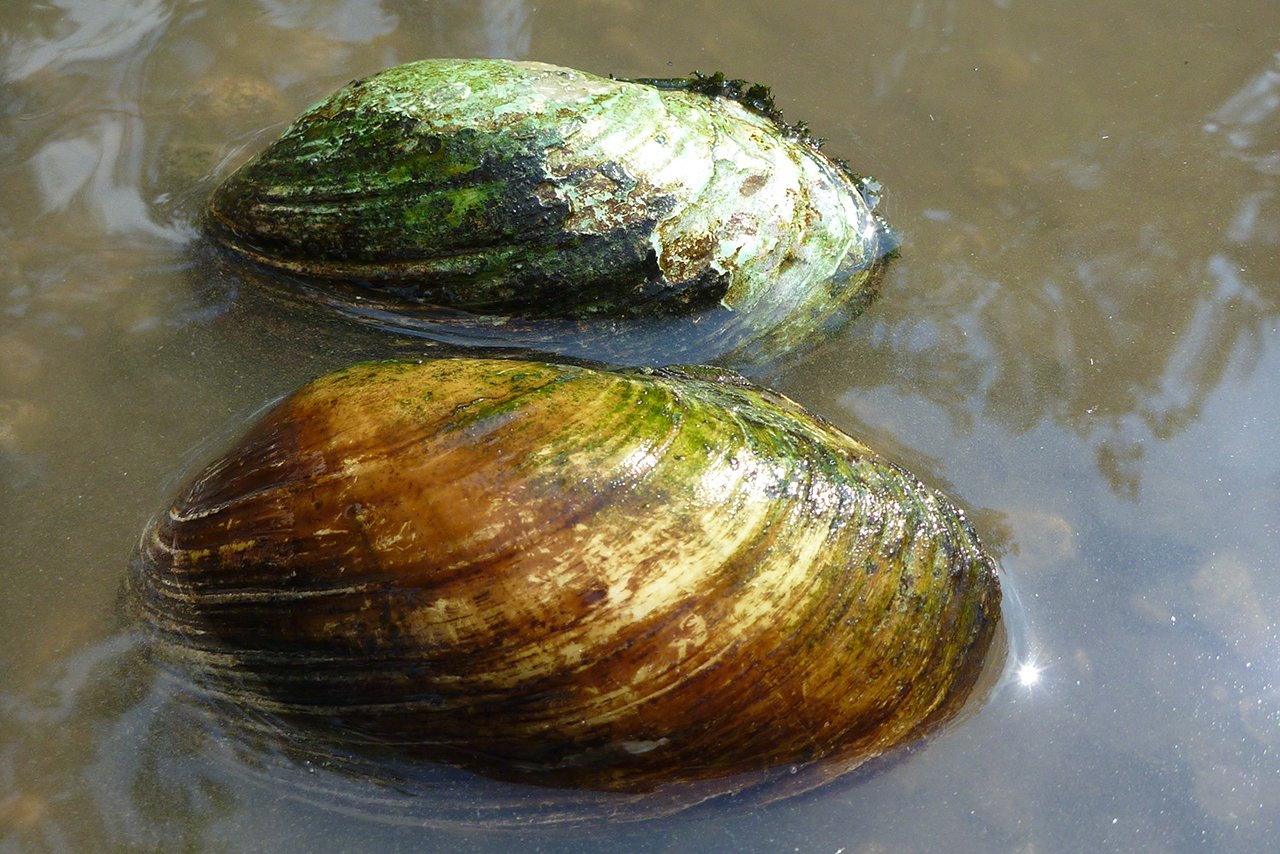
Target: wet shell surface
[[562, 575], [491, 193]]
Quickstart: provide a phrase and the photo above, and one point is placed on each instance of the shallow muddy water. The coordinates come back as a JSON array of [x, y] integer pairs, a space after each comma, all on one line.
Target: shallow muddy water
[[1079, 343]]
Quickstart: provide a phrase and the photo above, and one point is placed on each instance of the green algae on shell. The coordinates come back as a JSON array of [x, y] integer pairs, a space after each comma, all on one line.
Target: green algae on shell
[[518, 192], [561, 575]]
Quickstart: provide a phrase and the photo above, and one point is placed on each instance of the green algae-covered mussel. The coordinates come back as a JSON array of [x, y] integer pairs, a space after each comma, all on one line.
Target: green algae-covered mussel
[[619, 580], [504, 197]]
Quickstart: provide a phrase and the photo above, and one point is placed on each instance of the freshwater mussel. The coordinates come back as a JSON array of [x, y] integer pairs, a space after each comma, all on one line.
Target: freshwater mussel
[[522, 203], [566, 575]]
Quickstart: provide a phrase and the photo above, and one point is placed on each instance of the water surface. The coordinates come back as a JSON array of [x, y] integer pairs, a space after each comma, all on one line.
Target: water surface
[[1078, 343]]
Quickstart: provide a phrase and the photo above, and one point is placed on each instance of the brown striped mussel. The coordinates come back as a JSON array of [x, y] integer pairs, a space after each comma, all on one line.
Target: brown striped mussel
[[571, 576]]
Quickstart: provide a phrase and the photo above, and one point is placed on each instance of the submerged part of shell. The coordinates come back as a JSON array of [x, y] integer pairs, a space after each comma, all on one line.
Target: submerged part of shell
[[514, 192], [570, 576]]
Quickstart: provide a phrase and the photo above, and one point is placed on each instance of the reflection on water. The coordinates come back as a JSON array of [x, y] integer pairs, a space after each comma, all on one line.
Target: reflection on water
[[1250, 119], [1077, 340]]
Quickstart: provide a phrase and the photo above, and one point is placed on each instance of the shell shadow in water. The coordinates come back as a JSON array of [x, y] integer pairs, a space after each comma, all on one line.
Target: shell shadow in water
[[667, 584]]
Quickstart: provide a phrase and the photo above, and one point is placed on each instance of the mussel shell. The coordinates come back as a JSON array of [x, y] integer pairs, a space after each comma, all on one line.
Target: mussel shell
[[516, 191], [569, 576]]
